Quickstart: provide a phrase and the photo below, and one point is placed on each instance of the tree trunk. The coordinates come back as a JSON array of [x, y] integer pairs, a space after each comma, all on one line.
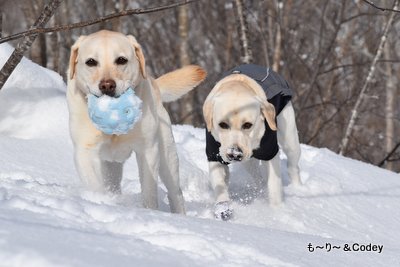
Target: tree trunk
[[361, 96], [1, 24], [390, 107], [183, 36], [228, 8], [56, 49], [278, 38], [283, 23], [115, 6], [247, 55], [187, 102], [38, 50], [26, 43], [277, 52], [264, 45]]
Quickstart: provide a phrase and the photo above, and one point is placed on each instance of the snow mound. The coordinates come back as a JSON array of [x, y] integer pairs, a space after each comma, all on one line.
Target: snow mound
[[32, 102]]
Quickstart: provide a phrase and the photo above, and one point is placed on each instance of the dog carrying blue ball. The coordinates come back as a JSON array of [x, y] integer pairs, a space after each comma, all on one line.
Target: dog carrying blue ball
[[115, 115]]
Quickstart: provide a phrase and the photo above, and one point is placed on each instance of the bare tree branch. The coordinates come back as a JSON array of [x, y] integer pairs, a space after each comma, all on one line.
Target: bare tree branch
[[381, 8], [26, 43], [354, 113], [68, 27], [387, 157], [392, 61]]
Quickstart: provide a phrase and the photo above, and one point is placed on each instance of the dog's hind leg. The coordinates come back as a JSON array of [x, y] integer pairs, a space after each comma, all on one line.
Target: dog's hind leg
[[112, 173], [169, 166], [288, 139]]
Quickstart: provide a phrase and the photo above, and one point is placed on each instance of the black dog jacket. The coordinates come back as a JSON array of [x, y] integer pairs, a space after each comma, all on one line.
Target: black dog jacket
[[278, 94]]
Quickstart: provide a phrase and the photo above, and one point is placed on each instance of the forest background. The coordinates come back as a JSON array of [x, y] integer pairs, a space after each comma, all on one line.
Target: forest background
[[327, 50]]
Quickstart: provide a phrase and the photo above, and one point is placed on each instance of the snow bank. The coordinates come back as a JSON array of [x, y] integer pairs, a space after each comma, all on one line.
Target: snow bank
[[48, 219], [32, 102]]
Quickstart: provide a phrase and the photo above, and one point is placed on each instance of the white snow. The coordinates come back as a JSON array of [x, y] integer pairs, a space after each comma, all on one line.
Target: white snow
[[104, 102], [114, 115], [48, 219]]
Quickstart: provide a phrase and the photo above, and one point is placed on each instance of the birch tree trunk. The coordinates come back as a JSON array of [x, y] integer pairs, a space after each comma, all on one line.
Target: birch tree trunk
[[229, 34], [283, 23], [361, 96], [183, 36], [1, 23], [187, 102], [26, 42], [264, 45], [247, 55], [390, 108], [56, 49]]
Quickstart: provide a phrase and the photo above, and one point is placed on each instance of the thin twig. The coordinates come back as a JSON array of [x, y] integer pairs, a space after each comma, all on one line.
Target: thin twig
[[381, 8], [393, 61], [387, 158], [93, 21]]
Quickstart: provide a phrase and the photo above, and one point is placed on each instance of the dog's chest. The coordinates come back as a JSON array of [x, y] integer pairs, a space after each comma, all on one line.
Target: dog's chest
[[117, 148]]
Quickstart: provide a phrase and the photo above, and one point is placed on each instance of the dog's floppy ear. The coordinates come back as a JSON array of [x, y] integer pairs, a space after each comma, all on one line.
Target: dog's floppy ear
[[268, 110], [139, 55], [74, 55], [208, 113]]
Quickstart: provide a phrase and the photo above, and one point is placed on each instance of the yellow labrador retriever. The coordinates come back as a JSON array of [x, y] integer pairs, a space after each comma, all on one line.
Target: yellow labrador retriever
[[240, 114], [108, 63]]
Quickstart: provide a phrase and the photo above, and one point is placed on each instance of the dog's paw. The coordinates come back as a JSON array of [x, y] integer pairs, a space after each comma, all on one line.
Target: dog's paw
[[223, 211]]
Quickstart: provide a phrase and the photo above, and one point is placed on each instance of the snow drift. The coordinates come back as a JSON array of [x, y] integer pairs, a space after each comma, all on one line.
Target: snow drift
[[48, 219]]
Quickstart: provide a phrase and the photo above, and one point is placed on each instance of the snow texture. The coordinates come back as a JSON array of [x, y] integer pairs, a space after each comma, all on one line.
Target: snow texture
[[115, 115], [48, 219]]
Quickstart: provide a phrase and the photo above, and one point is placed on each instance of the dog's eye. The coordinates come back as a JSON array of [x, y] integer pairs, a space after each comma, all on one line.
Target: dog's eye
[[247, 125], [121, 61], [223, 125], [91, 62]]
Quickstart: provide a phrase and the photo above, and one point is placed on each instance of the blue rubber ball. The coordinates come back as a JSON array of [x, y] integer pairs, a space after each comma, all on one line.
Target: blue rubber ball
[[115, 115]]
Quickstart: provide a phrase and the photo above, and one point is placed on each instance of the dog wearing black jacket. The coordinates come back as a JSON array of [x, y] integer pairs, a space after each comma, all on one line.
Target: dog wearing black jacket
[[247, 113]]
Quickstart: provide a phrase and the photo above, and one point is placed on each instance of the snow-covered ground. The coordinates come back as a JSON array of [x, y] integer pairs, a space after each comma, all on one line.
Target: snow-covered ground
[[48, 219]]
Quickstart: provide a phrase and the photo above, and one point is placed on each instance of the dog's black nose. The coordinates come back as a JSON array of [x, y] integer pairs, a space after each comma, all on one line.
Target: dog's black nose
[[107, 87], [235, 154]]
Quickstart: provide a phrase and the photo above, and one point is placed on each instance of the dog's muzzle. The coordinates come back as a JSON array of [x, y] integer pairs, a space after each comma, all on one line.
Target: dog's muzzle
[[234, 154]]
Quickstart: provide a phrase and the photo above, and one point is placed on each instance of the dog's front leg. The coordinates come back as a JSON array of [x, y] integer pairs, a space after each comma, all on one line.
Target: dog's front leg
[[88, 163], [169, 165], [219, 178], [148, 163], [271, 171]]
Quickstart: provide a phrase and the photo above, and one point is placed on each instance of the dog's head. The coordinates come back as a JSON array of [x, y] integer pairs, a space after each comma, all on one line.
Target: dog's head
[[106, 62], [234, 112]]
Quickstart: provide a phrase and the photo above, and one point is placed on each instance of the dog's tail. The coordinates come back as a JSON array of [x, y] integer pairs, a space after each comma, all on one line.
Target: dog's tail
[[176, 83]]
